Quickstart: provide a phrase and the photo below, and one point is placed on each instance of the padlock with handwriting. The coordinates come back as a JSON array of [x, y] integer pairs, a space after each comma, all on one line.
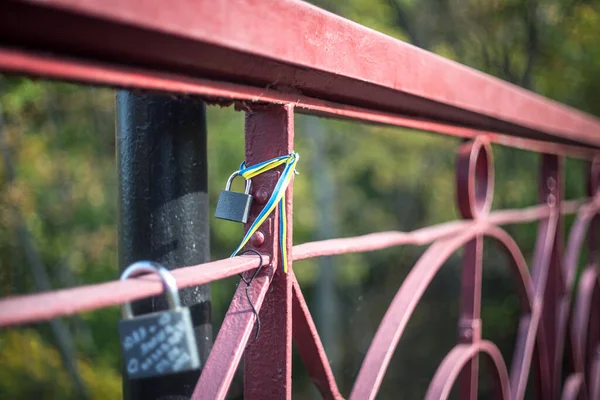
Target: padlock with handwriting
[[158, 343], [234, 206]]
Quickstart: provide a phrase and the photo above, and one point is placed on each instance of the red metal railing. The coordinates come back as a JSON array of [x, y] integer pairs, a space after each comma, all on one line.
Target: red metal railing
[[226, 53]]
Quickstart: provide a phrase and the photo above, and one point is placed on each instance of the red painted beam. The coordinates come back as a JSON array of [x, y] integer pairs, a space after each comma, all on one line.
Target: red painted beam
[[117, 75], [26, 309], [235, 331], [310, 347], [43, 306], [429, 234], [268, 360], [293, 46]]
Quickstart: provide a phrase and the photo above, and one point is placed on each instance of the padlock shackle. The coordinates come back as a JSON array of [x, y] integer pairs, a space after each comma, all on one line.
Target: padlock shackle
[[232, 177], [169, 284]]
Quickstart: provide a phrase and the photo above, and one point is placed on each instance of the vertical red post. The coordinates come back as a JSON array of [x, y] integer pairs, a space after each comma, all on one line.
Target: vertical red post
[[474, 190], [268, 360], [593, 188], [469, 324]]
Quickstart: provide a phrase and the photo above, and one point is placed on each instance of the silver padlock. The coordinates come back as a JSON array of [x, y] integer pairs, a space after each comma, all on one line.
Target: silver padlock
[[158, 343], [234, 206]]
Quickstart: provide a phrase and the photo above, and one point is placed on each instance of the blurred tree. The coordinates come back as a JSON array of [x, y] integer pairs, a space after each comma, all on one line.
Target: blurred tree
[[55, 214]]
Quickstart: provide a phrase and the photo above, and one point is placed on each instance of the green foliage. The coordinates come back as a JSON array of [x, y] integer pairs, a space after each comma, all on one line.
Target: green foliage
[[31, 368]]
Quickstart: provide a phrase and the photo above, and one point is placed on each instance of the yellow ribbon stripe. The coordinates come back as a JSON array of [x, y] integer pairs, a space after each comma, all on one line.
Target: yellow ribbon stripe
[[277, 198]]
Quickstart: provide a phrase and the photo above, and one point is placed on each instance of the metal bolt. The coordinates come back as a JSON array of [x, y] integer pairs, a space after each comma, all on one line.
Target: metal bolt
[[467, 334], [258, 239], [551, 200], [261, 196], [551, 183]]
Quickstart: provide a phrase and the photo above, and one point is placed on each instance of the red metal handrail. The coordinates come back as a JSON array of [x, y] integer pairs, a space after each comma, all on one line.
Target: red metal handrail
[[15, 60], [272, 70], [59, 303], [302, 45]]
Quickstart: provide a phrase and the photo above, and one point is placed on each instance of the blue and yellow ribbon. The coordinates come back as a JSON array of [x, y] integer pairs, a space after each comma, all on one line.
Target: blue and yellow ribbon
[[277, 197]]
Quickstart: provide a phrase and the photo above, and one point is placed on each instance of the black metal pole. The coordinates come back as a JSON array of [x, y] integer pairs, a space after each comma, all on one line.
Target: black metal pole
[[163, 206]]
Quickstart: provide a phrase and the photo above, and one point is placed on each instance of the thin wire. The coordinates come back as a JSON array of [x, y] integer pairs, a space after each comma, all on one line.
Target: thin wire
[[248, 283]]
